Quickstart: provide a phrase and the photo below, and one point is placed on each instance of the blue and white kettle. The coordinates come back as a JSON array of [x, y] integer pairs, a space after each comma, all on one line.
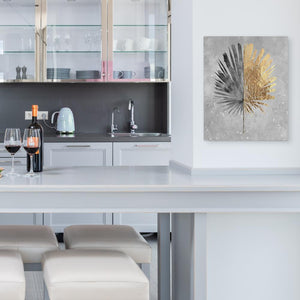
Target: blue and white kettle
[[65, 121]]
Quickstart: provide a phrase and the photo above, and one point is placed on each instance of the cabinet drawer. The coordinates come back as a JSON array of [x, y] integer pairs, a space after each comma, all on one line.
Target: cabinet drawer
[[78, 154], [141, 154]]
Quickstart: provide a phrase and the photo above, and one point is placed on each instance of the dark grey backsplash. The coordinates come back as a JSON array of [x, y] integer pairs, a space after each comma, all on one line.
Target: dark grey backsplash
[[91, 104]]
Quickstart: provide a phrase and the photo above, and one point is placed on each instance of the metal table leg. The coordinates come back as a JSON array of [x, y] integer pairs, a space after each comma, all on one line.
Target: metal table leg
[[164, 278]]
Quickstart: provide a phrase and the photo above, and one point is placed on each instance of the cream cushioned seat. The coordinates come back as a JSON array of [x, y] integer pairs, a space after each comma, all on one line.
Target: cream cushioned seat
[[93, 275], [12, 278], [112, 237], [31, 241]]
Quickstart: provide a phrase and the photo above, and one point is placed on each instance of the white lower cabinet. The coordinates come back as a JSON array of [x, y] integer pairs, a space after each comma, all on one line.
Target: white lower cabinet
[[140, 154], [77, 155]]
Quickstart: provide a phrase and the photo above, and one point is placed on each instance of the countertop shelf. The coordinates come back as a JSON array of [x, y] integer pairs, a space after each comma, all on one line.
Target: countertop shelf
[[159, 179], [95, 138], [98, 138]]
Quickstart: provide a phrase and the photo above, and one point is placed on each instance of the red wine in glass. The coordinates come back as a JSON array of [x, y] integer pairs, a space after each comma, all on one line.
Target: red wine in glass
[[31, 150], [12, 143], [12, 149], [31, 144]]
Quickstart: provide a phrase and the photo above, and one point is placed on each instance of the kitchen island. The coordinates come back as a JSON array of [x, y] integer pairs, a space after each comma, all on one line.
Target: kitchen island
[[163, 190]]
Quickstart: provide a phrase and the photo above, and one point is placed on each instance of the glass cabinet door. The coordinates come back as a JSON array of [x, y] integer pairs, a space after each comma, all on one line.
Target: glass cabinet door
[[17, 40], [73, 40], [139, 40]]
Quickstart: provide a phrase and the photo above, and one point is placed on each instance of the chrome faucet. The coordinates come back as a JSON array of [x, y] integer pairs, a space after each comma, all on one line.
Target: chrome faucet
[[114, 127], [132, 126]]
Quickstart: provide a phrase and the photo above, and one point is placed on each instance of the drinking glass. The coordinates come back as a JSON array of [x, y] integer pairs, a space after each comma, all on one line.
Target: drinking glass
[[31, 144], [12, 143]]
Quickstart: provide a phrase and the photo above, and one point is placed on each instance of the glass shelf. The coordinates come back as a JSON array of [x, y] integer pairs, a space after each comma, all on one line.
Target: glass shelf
[[18, 52], [26, 25], [144, 51], [140, 25], [84, 25], [71, 52]]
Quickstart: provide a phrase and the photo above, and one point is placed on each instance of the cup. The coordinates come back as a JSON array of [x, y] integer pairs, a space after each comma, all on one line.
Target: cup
[[128, 45], [143, 44], [115, 45], [157, 72], [153, 44], [120, 45], [128, 74], [118, 74]]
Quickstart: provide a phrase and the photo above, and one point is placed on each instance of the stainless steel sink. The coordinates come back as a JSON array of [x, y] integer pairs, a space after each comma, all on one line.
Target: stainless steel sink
[[137, 134]]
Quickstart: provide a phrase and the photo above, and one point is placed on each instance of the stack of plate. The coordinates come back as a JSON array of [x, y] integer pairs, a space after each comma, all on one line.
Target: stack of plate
[[88, 74], [58, 73]]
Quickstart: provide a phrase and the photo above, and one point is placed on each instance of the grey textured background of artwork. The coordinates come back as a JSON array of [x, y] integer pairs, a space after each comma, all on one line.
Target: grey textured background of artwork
[[272, 125]]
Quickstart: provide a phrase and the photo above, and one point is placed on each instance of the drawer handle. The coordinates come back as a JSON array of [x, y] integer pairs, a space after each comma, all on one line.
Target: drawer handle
[[78, 146], [146, 146]]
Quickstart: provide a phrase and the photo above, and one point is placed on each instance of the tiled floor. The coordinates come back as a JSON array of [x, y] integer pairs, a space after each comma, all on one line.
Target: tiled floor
[[34, 281]]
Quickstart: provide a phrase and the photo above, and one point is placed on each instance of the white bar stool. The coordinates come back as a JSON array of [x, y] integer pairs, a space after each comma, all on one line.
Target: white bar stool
[[12, 278], [93, 275], [110, 237], [32, 241]]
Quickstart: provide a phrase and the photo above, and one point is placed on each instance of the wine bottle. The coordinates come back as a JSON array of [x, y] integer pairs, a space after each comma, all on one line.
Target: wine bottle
[[38, 158]]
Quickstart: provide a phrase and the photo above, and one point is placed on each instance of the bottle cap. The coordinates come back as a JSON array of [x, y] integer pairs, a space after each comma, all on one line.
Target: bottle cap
[[35, 109]]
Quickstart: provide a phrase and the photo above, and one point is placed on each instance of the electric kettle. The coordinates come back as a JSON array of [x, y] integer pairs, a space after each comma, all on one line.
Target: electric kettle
[[65, 121]]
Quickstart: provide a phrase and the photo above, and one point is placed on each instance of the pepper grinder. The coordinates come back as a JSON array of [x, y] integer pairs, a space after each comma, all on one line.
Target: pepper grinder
[[24, 75], [18, 70]]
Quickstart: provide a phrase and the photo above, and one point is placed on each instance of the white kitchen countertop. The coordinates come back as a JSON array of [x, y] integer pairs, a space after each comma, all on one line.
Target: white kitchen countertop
[[148, 179], [147, 189]]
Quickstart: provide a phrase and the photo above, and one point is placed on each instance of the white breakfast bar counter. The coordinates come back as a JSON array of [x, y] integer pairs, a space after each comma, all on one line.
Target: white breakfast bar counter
[[164, 190]]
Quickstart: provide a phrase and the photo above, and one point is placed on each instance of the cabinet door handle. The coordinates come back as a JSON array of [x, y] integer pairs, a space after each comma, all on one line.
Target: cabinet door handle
[[146, 146], [78, 146]]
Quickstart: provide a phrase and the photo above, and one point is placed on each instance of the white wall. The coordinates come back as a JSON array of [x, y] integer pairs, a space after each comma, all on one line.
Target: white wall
[[232, 17], [182, 82], [253, 257], [249, 256]]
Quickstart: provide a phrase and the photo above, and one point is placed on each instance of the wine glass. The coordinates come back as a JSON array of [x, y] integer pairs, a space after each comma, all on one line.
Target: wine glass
[[31, 144], [12, 143]]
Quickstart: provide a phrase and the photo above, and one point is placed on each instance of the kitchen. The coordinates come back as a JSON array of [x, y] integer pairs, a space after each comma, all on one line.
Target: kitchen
[[229, 268]]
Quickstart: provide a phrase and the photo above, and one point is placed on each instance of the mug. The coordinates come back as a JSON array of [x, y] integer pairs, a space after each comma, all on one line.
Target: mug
[[115, 45], [153, 44], [128, 45], [118, 74], [157, 72], [143, 44], [119, 45], [128, 74]]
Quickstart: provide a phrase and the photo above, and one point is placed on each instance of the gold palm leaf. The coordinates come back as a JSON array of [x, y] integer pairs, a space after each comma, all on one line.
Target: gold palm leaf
[[258, 80]]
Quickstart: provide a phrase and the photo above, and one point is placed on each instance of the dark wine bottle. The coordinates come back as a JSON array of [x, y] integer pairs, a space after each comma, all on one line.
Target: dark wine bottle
[[38, 158]]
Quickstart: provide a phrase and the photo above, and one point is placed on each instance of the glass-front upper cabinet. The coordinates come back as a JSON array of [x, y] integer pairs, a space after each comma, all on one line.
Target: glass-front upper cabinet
[[139, 40], [84, 40], [18, 60], [72, 35]]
